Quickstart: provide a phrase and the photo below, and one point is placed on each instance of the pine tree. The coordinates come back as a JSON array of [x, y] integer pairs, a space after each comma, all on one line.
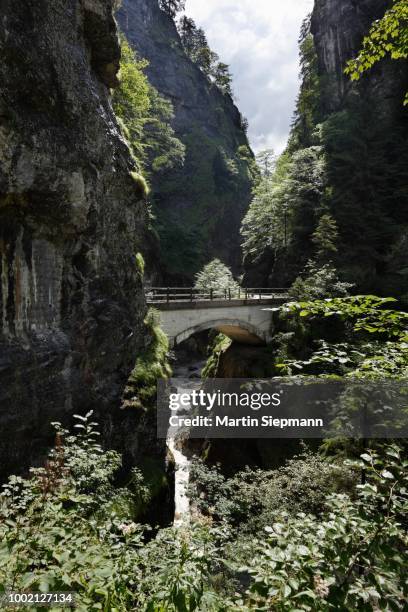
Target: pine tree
[[172, 7], [223, 78], [266, 161], [187, 30], [325, 238]]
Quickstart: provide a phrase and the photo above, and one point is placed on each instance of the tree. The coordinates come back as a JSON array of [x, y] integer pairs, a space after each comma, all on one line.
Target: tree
[[319, 282], [164, 150], [266, 160], [217, 276], [325, 238], [387, 37], [244, 124], [131, 101], [308, 103], [196, 46], [172, 7], [223, 78], [203, 56], [187, 30], [145, 116]]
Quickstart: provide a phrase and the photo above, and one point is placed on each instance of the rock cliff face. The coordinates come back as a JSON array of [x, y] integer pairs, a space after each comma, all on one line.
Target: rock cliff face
[[367, 150], [71, 299], [338, 27], [362, 128], [200, 207]]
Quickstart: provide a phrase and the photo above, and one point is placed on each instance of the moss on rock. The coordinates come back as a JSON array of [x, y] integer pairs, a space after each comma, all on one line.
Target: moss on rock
[[151, 365]]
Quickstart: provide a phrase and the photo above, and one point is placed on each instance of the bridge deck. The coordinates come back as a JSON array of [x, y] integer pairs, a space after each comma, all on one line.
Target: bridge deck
[[174, 298]]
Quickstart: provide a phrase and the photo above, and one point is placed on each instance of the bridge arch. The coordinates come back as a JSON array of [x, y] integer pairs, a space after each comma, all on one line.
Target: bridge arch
[[236, 329]]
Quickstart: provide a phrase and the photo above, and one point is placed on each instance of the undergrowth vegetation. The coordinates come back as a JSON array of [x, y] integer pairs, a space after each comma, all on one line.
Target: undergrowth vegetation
[[356, 337], [145, 118], [151, 365], [70, 527]]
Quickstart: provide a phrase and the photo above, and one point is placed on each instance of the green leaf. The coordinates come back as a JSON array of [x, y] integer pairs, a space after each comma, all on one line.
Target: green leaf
[[387, 474]]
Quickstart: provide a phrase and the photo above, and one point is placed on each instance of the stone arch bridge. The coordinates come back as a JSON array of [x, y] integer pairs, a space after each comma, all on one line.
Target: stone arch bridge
[[239, 314]]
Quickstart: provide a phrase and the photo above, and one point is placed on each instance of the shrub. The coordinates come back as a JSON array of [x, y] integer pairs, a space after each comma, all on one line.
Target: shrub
[[140, 264], [218, 346], [58, 530], [252, 499], [319, 282], [152, 364], [351, 558], [142, 187]]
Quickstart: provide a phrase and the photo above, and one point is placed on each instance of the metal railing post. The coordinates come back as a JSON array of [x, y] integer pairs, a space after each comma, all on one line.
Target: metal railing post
[[229, 294], [168, 294], [191, 294], [211, 294]]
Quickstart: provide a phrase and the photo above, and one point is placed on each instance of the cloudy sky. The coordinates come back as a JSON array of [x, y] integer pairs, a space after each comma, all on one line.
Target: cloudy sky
[[258, 38]]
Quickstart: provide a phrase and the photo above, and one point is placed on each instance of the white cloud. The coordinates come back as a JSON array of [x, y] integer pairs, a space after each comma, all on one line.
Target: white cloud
[[258, 38]]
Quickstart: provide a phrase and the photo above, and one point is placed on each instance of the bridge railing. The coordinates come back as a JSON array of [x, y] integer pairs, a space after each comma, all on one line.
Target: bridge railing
[[166, 295]]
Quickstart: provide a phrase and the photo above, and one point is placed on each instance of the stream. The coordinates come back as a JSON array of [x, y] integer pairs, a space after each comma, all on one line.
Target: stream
[[182, 461]]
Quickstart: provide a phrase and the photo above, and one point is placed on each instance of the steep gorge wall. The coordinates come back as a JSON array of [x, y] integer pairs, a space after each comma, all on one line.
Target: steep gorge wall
[[199, 207], [71, 301], [367, 152], [338, 27], [347, 158]]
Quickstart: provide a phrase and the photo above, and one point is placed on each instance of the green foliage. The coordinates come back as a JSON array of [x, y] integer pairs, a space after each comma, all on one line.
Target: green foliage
[[325, 237], [217, 347], [140, 264], [387, 37], [351, 558], [318, 282], [217, 180], [286, 205], [223, 78], [164, 151], [141, 184], [195, 44], [58, 530], [131, 101], [266, 161], [151, 365], [366, 166], [67, 528], [263, 226], [325, 545], [360, 155], [308, 105], [177, 567], [373, 343], [216, 276], [145, 117], [252, 499], [366, 312]]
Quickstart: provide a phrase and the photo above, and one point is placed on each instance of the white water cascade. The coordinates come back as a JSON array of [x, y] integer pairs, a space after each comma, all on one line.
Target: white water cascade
[[181, 460]]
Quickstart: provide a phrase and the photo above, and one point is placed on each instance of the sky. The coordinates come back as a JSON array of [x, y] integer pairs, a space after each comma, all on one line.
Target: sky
[[259, 40]]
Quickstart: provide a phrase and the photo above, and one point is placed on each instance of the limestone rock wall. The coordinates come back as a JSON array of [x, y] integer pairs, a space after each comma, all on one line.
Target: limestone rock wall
[[338, 27], [71, 300], [201, 206]]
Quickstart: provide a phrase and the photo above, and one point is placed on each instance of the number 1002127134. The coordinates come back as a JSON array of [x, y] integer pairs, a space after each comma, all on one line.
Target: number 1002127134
[[24, 599]]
